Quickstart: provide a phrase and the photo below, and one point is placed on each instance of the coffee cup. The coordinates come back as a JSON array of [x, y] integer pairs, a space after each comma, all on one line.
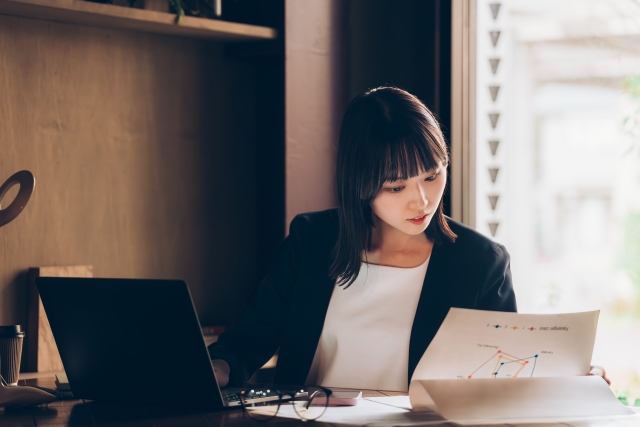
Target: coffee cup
[[11, 338]]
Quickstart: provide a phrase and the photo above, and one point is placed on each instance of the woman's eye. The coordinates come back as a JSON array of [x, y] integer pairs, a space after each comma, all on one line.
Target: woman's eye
[[432, 178], [394, 190]]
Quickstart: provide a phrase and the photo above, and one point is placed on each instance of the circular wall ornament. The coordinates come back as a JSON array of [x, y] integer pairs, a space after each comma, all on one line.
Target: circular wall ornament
[[27, 182]]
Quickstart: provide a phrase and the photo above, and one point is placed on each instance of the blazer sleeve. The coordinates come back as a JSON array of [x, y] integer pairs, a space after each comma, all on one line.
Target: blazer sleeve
[[255, 336], [497, 293]]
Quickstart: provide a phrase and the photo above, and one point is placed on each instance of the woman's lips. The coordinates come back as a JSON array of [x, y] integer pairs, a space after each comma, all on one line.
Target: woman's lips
[[418, 220]]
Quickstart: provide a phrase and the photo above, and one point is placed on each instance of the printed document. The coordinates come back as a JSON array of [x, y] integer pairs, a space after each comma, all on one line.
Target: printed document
[[487, 364]]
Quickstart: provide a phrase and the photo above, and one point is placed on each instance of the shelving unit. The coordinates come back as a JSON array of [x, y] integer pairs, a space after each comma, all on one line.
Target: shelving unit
[[124, 100], [119, 17]]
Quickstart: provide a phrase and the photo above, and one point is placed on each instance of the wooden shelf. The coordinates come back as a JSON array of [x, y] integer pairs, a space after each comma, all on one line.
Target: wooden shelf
[[112, 16]]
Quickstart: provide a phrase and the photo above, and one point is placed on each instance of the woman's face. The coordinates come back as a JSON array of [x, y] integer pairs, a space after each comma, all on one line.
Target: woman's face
[[400, 201]]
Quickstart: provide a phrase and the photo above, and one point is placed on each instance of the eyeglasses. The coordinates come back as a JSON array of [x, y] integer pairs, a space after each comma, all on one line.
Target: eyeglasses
[[308, 402]]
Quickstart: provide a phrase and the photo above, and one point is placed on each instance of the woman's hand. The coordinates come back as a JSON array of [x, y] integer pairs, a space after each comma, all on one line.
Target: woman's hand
[[221, 369], [599, 371]]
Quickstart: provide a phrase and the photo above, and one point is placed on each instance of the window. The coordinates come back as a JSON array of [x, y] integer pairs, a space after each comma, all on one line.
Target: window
[[556, 160]]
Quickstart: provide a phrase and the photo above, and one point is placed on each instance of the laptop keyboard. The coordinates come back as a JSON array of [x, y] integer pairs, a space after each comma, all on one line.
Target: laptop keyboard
[[231, 397], [251, 396]]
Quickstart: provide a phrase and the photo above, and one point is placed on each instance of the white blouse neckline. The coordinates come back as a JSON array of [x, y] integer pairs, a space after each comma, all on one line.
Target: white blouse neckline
[[401, 268]]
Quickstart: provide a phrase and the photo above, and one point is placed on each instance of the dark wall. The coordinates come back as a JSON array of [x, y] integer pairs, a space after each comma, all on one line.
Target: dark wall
[[267, 58], [406, 44]]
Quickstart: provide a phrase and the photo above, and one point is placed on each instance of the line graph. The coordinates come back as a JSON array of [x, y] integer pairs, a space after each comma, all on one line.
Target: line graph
[[503, 364]]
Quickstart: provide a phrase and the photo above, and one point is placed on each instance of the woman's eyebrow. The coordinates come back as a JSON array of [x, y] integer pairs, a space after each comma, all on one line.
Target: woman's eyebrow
[[430, 171]]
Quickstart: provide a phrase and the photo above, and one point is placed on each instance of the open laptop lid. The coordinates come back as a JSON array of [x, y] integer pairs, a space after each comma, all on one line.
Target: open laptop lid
[[130, 340]]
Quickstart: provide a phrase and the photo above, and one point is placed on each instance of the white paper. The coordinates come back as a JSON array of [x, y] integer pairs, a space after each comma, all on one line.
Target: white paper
[[491, 344], [485, 365], [401, 402], [371, 412], [396, 411], [521, 398]]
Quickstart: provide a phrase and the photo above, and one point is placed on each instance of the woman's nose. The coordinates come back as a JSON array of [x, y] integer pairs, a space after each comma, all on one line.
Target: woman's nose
[[420, 199]]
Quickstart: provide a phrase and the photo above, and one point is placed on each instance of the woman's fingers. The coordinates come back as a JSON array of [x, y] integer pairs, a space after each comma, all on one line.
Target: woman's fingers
[[221, 369], [599, 371]]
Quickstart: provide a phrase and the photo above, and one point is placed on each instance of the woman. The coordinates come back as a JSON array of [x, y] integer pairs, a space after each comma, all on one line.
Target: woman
[[357, 293]]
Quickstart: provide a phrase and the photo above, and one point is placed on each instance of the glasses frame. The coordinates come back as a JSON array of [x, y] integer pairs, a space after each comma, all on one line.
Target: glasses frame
[[290, 397]]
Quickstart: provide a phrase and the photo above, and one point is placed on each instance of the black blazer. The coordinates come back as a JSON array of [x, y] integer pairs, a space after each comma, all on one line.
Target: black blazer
[[289, 307]]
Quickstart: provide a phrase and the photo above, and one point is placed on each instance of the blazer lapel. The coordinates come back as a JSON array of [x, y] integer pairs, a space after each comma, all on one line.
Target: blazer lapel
[[433, 304], [313, 293]]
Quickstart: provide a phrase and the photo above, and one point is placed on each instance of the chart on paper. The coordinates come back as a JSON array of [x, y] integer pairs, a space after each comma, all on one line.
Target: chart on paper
[[486, 344], [505, 365]]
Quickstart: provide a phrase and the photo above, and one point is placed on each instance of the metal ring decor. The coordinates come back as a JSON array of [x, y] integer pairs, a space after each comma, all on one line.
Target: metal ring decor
[[27, 182]]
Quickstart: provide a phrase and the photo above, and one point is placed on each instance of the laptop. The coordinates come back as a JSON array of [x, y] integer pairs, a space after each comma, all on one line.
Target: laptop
[[134, 341]]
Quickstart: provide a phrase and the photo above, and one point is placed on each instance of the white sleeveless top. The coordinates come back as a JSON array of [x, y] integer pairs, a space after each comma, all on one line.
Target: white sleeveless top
[[365, 338]]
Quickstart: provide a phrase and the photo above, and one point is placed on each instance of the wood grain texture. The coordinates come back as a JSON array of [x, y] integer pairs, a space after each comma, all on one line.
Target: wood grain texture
[[111, 16], [41, 353], [143, 149]]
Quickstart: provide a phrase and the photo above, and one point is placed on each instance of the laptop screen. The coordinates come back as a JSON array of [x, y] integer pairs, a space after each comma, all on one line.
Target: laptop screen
[[130, 340]]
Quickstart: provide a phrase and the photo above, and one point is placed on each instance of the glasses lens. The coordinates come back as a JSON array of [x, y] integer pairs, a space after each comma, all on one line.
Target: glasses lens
[[311, 403], [261, 405]]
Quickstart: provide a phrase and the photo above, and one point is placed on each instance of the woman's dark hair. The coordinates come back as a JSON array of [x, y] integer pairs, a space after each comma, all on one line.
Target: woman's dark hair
[[386, 134]]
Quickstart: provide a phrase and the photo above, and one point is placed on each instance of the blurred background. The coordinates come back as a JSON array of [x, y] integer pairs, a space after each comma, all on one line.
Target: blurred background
[[563, 77]]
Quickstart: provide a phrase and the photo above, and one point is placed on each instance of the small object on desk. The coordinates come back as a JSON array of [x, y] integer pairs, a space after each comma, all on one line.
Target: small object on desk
[[345, 398], [10, 350], [62, 382]]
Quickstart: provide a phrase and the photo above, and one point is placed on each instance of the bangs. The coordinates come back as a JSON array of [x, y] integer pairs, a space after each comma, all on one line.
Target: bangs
[[410, 153], [405, 159]]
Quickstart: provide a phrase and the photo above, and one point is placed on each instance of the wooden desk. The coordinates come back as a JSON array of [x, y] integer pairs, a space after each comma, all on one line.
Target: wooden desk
[[79, 413]]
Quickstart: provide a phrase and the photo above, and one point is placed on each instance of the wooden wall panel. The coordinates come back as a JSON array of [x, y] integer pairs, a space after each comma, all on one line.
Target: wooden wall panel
[[143, 149], [316, 98], [39, 351]]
